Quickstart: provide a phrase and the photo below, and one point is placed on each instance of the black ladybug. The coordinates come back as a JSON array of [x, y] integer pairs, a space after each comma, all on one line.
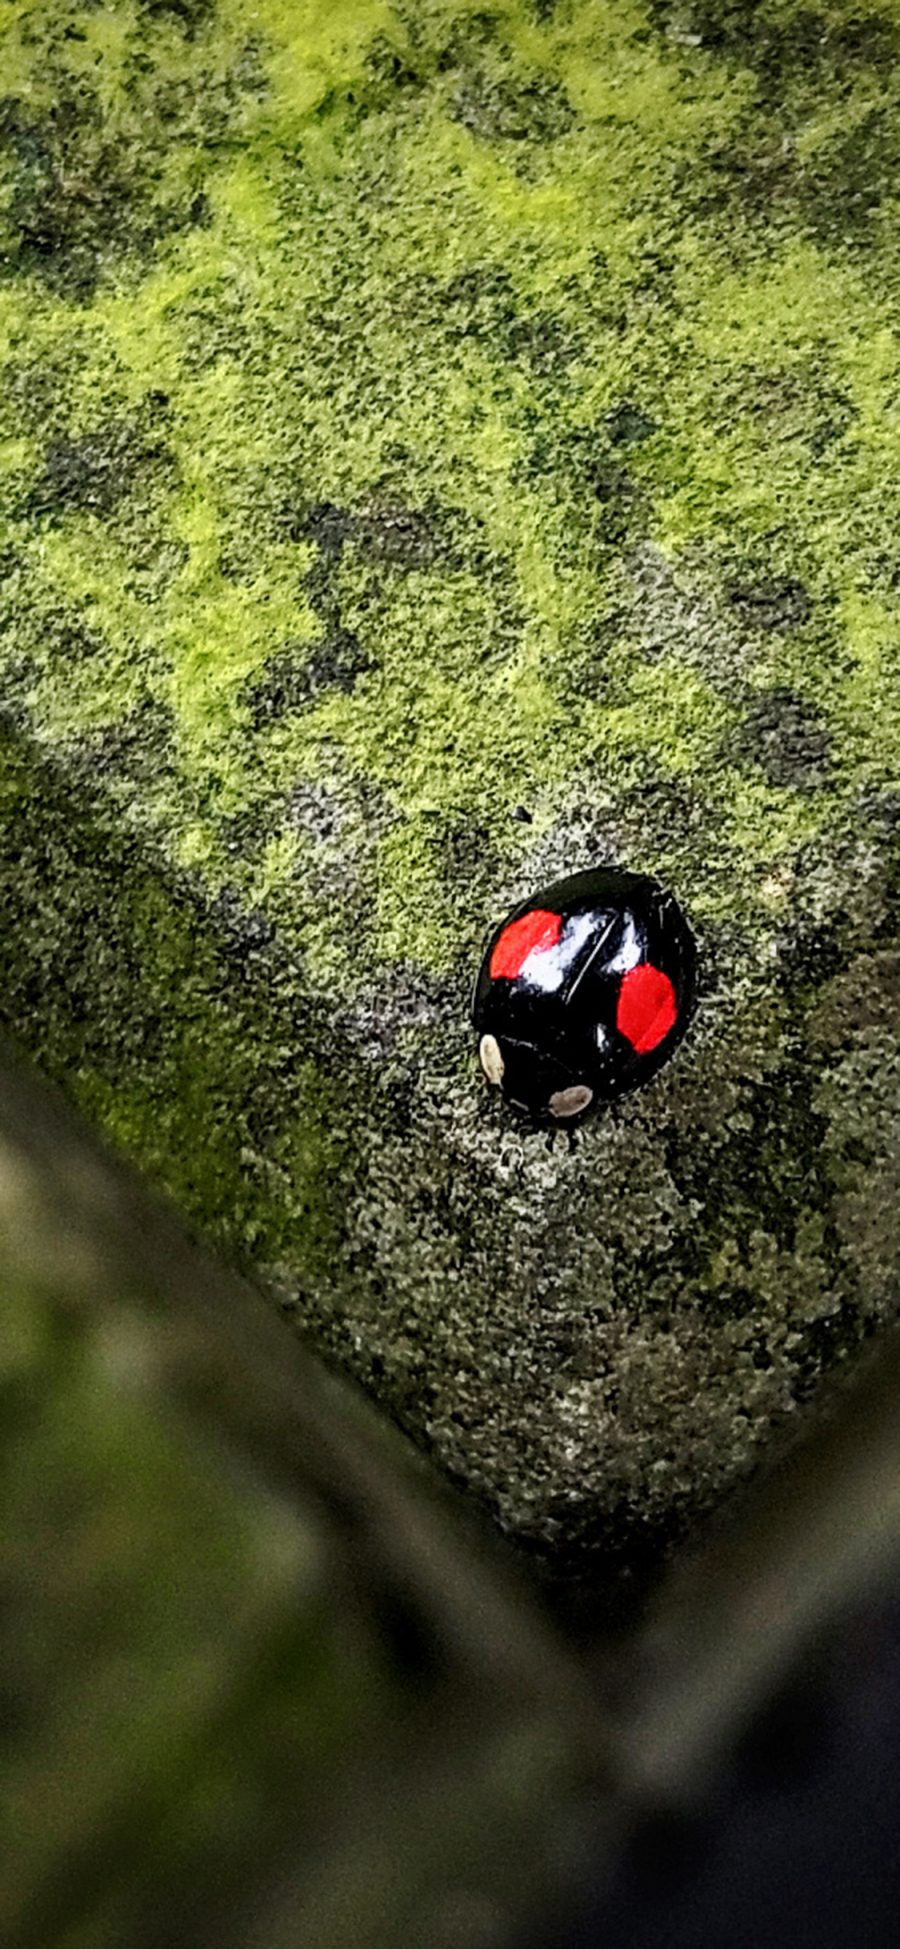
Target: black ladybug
[[584, 992]]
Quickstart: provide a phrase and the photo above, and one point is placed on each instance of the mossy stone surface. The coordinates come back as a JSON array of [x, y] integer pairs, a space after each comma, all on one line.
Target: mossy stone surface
[[414, 417]]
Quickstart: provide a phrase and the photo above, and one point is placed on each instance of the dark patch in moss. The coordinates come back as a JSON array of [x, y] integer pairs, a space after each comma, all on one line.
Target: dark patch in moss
[[75, 642], [784, 735], [656, 809], [468, 854], [883, 819], [384, 530], [21, 672], [468, 36], [338, 662], [242, 835], [189, 15], [84, 195], [293, 678], [79, 198], [62, 214], [545, 341], [801, 403], [328, 526], [809, 957], [470, 851], [775, 48], [92, 472], [244, 934], [35, 389], [407, 538], [626, 425], [839, 415], [388, 72], [578, 667], [505, 111], [752, 172], [841, 196], [805, 46], [800, 63], [474, 304], [137, 748], [482, 305], [777, 602], [315, 810], [606, 504], [621, 500]]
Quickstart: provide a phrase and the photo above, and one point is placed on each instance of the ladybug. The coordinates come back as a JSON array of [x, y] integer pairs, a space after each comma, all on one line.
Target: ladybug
[[584, 992]]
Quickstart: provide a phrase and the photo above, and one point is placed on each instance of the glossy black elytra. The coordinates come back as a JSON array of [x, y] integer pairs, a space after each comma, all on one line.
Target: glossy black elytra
[[583, 993]]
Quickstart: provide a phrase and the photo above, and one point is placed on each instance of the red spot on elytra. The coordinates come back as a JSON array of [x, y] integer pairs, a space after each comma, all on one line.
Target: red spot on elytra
[[530, 934], [647, 1009]]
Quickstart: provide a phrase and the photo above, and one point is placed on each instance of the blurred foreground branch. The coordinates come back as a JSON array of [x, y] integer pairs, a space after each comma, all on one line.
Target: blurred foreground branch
[[259, 1683]]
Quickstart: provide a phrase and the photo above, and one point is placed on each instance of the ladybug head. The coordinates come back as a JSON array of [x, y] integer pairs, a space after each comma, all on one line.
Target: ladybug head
[[534, 1080]]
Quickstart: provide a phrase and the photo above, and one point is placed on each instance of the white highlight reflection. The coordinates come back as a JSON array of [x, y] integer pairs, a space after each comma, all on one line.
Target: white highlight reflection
[[630, 952], [546, 968]]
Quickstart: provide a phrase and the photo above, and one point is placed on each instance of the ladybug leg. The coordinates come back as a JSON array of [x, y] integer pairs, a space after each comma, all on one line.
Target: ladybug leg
[[570, 1102], [491, 1059]]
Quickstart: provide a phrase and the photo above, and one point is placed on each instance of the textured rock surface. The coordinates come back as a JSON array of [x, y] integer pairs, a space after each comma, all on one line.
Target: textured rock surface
[[415, 417]]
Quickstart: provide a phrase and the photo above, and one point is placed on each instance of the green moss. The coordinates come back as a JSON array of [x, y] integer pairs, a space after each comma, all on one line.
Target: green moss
[[153, 1021], [334, 372]]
